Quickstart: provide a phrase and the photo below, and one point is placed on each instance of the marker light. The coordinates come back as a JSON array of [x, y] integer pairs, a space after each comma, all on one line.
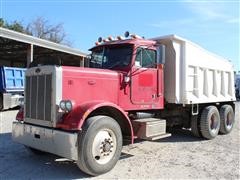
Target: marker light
[[105, 40], [120, 37], [126, 34], [100, 39], [110, 38], [134, 36], [97, 43]]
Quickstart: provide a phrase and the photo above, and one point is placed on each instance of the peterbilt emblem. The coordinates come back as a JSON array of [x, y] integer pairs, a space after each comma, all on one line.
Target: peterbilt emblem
[[38, 70]]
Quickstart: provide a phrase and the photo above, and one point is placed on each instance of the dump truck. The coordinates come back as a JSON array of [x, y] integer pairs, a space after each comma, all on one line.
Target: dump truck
[[134, 88], [11, 87]]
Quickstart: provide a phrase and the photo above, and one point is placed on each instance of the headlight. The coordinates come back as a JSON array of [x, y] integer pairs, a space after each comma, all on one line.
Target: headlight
[[62, 105], [66, 105]]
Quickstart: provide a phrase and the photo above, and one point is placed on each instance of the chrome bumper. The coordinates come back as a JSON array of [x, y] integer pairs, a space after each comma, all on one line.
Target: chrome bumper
[[53, 141]]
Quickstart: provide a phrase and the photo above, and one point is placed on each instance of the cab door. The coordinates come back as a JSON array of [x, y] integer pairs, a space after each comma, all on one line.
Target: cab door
[[145, 79]]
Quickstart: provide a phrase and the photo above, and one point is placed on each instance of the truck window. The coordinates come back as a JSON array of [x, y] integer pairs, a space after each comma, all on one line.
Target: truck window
[[111, 57], [145, 58]]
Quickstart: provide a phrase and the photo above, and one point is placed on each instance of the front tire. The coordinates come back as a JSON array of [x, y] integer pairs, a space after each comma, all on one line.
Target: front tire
[[100, 145], [227, 119], [210, 122]]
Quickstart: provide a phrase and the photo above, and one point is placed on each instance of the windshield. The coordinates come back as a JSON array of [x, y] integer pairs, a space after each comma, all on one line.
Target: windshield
[[111, 57]]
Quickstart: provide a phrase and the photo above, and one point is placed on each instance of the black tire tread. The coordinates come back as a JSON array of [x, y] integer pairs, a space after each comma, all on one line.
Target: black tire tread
[[81, 163], [204, 124], [194, 126], [83, 138], [223, 110]]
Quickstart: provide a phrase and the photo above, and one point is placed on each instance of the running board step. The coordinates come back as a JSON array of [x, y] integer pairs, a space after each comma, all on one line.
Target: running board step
[[153, 138], [150, 128]]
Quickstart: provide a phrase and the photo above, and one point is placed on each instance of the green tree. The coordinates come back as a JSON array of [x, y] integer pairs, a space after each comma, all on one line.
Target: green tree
[[1, 22], [15, 26]]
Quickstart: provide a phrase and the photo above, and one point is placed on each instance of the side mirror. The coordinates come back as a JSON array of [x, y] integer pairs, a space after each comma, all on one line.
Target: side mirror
[[161, 54]]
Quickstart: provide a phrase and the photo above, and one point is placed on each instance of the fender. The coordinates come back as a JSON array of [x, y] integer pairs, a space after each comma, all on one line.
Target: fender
[[76, 118]]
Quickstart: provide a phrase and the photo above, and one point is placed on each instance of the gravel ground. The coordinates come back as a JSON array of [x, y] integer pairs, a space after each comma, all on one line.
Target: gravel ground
[[179, 156]]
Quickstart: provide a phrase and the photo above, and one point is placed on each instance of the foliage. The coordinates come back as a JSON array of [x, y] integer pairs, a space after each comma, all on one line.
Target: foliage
[[40, 28], [15, 26]]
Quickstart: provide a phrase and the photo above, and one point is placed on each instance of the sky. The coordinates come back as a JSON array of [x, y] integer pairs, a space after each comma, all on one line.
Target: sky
[[212, 24]]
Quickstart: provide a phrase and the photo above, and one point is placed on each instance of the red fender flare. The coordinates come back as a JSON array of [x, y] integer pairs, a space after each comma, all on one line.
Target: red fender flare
[[75, 119]]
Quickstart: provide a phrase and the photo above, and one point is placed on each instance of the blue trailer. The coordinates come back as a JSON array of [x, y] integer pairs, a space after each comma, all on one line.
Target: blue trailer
[[11, 86]]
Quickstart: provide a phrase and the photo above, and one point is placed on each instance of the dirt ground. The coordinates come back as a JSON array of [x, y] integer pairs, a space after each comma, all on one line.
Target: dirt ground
[[179, 156]]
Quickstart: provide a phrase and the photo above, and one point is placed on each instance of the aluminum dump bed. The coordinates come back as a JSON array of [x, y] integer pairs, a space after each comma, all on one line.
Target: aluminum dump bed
[[193, 75]]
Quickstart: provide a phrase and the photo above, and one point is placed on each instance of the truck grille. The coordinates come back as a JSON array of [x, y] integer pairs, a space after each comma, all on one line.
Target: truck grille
[[38, 97]]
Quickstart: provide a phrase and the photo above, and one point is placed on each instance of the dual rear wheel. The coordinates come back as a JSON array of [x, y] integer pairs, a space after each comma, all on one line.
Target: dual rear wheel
[[211, 122], [226, 119]]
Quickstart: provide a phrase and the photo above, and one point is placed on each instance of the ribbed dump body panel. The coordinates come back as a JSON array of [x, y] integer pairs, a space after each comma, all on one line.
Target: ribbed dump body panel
[[193, 75]]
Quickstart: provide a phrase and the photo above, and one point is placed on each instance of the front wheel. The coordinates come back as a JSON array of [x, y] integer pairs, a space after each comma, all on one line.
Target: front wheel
[[100, 145]]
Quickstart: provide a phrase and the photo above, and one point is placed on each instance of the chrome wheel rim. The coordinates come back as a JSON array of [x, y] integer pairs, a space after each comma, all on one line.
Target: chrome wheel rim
[[229, 120], [104, 146], [214, 123]]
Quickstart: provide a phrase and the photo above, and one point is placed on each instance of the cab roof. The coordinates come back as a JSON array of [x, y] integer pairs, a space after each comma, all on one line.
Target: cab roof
[[132, 41]]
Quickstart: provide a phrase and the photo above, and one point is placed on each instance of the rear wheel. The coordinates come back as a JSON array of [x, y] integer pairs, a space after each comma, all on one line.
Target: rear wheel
[[210, 122], [100, 145], [195, 126], [227, 119]]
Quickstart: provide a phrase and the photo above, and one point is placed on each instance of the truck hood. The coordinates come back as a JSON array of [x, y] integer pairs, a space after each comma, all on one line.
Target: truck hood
[[82, 85]]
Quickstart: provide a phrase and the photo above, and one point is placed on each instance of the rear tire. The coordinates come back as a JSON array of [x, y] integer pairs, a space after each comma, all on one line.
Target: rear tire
[[195, 126], [100, 145], [227, 119], [210, 122]]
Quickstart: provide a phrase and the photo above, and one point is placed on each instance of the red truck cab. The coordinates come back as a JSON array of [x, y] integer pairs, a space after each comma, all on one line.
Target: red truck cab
[[124, 73]]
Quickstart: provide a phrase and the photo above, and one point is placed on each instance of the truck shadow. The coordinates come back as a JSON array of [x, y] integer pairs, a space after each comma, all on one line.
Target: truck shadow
[[16, 162], [177, 135], [11, 109], [181, 135]]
